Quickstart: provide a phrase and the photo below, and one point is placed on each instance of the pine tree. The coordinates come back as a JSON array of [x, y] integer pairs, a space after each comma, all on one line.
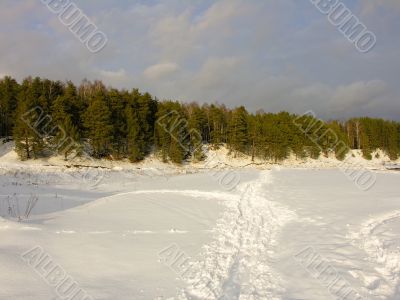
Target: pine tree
[[161, 132], [171, 132], [31, 122], [176, 151], [117, 103], [136, 144], [66, 137], [72, 142], [365, 139], [218, 125], [28, 140], [238, 130], [8, 104], [339, 142], [99, 129], [197, 126], [255, 135]]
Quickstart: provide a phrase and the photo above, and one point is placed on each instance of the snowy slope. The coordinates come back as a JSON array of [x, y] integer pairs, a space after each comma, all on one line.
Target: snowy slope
[[215, 159]]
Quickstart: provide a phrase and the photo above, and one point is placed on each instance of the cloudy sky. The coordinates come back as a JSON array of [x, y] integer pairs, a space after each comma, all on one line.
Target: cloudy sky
[[269, 54]]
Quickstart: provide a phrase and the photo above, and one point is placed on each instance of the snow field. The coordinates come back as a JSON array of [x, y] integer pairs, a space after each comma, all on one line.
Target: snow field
[[236, 243]]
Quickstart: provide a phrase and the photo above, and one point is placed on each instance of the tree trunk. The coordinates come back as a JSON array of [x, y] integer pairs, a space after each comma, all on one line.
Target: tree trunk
[[28, 155]]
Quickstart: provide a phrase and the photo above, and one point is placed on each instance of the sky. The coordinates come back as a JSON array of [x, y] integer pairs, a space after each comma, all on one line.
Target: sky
[[264, 54]]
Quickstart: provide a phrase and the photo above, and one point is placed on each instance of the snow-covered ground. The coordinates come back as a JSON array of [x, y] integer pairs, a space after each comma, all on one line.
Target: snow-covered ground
[[157, 231]]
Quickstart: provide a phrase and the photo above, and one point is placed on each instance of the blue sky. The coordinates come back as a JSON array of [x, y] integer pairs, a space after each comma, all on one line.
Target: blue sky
[[269, 54]]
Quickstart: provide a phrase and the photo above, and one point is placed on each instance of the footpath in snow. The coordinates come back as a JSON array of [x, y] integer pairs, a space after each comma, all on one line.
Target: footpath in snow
[[236, 265]]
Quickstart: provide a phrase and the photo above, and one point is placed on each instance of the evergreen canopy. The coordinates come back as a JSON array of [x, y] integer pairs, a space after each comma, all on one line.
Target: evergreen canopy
[[45, 116]]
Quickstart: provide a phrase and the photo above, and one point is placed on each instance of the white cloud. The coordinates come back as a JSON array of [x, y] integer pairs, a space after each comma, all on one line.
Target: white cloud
[[121, 73], [18, 10], [371, 6], [216, 72], [160, 70], [182, 35], [115, 78]]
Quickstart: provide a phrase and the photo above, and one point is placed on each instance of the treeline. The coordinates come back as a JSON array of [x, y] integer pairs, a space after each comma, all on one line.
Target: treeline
[[45, 116]]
